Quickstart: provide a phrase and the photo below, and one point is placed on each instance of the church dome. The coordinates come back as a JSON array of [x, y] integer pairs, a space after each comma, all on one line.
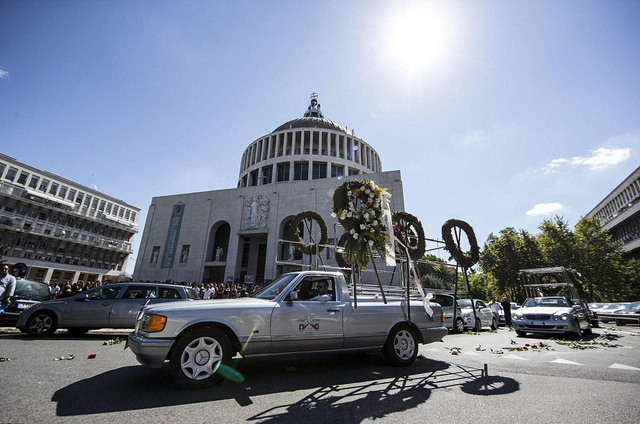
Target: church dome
[[307, 148]]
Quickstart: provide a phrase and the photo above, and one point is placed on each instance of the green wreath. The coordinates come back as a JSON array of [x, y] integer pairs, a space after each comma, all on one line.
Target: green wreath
[[408, 229], [465, 260], [294, 232]]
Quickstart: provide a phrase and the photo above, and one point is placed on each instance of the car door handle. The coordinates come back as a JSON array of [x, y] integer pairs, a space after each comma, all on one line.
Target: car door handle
[[333, 310]]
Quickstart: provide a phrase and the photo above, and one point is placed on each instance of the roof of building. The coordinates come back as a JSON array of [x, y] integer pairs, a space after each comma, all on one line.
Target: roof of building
[[313, 118]]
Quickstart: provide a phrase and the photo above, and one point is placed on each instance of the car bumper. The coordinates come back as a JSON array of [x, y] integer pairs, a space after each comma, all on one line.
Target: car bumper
[[433, 334], [149, 352], [546, 327]]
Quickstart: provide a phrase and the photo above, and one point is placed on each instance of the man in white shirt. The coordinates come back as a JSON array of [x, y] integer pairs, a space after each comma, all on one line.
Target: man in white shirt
[[7, 285], [322, 287]]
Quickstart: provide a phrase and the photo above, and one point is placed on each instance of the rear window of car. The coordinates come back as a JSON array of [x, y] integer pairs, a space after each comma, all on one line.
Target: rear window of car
[[443, 300], [168, 293], [192, 294], [34, 290]]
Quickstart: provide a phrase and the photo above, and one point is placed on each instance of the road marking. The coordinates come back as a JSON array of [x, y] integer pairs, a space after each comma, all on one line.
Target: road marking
[[471, 353], [564, 361], [624, 367], [512, 356]]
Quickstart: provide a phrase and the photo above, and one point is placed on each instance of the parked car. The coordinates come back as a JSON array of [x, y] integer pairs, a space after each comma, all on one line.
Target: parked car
[[608, 311], [446, 301], [484, 317], [551, 315], [27, 294], [629, 315], [199, 339], [108, 306]]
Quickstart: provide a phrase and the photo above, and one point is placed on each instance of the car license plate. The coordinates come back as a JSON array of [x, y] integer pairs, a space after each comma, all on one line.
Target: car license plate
[[541, 323]]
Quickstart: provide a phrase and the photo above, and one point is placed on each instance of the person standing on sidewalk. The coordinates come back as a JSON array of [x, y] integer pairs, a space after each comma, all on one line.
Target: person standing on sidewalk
[[7, 286], [506, 307]]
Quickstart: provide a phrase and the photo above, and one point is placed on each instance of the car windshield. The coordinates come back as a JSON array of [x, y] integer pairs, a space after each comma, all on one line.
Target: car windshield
[[546, 302], [192, 294], [271, 291]]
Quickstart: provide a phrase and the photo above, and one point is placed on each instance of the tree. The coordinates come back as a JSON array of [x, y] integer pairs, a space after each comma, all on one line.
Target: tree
[[557, 243], [435, 273], [504, 256]]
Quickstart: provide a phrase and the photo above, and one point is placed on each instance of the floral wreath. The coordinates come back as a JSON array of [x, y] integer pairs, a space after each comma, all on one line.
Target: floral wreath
[[463, 259], [408, 229], [358, 206], [340, 259], [295, 236]]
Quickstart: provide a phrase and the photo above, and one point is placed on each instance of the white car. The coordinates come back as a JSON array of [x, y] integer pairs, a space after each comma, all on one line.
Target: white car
[[483, 316], [552, 315], [200, 338]]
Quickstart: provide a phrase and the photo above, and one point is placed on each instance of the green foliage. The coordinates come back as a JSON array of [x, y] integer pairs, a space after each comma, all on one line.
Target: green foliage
[[587, 249], [504, 256], [435, 273]]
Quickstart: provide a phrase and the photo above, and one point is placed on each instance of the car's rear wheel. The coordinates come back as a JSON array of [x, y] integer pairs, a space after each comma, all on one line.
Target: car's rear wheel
[[401, 347], [41, 324], [494, 324], [198, 355], [459, 326]]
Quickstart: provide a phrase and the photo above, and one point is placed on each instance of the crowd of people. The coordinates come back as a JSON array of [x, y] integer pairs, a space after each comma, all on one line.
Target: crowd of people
[[206, 291]]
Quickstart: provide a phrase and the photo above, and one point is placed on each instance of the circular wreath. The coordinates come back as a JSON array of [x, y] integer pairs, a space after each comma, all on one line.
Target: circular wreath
[[409, 230], [358, 205], [340, 259], [294, 232], [465, 260]]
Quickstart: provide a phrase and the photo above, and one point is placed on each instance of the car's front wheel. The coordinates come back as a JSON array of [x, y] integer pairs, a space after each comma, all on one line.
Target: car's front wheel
[[579, 334], [198, 355], [401, 347], [41, 324], [494, 324]]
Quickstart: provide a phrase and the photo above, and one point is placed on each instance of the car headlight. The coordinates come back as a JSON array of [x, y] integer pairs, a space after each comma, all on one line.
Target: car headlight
[[153, 323], [516, 316], [561, 317]]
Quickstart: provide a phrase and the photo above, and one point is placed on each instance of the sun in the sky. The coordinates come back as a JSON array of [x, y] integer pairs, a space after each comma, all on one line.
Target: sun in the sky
[[416, 37]]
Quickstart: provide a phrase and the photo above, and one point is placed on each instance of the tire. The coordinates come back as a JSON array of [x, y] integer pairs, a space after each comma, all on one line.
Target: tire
[[478, 326], [42, 323], [520, 333], [459, 325], [197, 356], [578, 335], [494, 324], [401, 348]]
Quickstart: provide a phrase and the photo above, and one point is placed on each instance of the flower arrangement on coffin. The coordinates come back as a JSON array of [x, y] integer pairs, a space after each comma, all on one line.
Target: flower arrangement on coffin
[[358, 206]]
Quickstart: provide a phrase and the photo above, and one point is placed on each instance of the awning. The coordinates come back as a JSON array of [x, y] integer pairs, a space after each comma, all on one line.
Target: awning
[[50, 198]]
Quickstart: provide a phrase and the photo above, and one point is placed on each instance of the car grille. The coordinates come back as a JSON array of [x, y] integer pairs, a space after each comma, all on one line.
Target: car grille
[[538, 317]]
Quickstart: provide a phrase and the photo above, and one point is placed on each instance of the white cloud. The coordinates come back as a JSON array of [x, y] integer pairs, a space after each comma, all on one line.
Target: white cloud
[[498, 134], [545, 209], [3, 74], [599, 160]]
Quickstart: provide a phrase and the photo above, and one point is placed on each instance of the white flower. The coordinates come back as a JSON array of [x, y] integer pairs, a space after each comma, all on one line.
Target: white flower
[[355, 236], [370, 242], [349, 193], [352, 231], [333, 214], [375, 223], [363, 227]]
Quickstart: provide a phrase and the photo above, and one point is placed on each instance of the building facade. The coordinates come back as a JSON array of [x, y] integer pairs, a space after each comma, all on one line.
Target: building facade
[[242, 234], [619, 213], [62, 231]]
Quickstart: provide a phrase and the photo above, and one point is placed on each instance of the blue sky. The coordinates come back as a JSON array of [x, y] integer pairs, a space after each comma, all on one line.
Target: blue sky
[[499, 113]]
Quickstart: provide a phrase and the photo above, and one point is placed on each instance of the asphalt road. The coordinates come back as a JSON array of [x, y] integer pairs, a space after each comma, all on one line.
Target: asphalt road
[[491, 379]]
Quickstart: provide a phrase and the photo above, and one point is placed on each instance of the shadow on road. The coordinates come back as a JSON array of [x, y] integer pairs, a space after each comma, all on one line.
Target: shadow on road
[[352, 387]]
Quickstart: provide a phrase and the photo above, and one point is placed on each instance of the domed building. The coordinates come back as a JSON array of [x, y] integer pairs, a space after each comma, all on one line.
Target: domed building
[[242, 234]]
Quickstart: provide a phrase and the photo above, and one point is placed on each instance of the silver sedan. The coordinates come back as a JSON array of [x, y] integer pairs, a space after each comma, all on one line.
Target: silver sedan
[[551, 315], [108, 306]]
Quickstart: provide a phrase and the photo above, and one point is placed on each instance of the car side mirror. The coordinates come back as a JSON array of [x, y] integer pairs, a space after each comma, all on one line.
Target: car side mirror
[[293, 295]]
